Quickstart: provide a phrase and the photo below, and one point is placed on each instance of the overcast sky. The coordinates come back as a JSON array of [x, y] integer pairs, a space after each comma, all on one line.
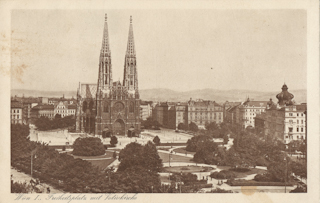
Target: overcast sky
[[176, 49]]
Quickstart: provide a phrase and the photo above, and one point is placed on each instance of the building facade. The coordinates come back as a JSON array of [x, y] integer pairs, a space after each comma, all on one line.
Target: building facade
[[201, 112], [64, 109], [248, 111], [111, 108], [145, 110], [42, 110], [285, 120], [16, 113]]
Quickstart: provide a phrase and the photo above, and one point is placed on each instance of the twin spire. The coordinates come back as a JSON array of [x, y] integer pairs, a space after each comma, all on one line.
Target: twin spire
[[105, 49]]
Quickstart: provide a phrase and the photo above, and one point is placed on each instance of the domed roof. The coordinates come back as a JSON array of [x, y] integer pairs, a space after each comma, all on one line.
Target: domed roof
[[285, 97]]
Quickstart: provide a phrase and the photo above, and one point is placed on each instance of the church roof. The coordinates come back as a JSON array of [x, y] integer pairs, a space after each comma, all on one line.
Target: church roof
[[88, 91]]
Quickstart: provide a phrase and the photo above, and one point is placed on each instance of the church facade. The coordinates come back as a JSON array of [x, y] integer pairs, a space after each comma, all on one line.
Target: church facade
[[111, 108]]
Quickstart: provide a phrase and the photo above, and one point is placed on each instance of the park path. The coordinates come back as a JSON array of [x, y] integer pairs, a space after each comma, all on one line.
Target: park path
[[22, 177]]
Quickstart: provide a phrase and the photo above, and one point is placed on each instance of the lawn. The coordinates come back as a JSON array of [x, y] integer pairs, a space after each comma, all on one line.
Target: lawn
[[243, 174], [174, 158], [187, 169], [183, 151], [107, 155], [103, 163]]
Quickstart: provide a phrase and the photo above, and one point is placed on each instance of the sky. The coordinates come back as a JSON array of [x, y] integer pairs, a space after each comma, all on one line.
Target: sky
[[182, 50]]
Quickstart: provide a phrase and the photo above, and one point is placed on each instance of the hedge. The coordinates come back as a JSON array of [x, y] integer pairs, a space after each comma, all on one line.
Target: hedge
[[246, 183]]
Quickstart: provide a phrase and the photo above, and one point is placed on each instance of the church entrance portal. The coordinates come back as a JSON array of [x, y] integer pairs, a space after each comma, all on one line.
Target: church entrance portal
[[118, 127]]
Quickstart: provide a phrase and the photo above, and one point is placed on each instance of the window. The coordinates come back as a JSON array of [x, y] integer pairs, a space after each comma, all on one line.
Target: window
[[14, 111], [106, 107], [290, 130], [17, 111], [131, 107], [301, 121], [297, 129], [17, 116], [290, 114], [290, 121], [297, 121], [301, 129]]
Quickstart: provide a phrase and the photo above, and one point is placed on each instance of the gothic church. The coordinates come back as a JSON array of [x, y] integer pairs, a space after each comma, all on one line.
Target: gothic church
[[111, 108]]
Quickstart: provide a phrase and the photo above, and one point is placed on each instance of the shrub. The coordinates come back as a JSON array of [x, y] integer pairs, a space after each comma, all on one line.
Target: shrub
[[218, 190], [89, 146], [224, 174], [156, 140], [242, 182], [113, 141], [241, 170]]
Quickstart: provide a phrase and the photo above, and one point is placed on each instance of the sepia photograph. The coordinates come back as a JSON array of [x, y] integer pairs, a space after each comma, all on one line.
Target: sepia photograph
[[118, 102]]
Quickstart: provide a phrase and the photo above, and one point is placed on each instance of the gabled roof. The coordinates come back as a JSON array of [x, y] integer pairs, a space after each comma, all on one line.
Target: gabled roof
[[43, 107], [72, 106]]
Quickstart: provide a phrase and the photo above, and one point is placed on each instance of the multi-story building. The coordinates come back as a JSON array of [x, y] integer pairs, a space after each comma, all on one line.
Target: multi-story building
[[180, 114], [198, 111], [201, 112], [284, 120], [64, 109], [42, 110], [16, 112], [230, 114], [145, 110], [248, 110]]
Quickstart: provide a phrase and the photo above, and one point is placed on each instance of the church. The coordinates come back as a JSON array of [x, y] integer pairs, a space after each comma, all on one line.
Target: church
[[111, 108]]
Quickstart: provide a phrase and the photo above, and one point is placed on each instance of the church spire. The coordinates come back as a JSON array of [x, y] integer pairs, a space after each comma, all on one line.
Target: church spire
[[130, 46], [105, 50], [105, 67], [130, 79]]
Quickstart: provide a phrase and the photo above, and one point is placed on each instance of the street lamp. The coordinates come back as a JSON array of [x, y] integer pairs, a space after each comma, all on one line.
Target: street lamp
[[285, 178]]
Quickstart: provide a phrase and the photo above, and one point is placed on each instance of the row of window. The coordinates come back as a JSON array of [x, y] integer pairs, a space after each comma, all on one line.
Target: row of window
[[291, 130], [255, 110], [291, 122], [14, 111], [66, 111], [298, 114], [298, 137]]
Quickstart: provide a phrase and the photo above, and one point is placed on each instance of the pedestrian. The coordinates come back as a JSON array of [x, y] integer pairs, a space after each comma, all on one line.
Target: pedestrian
[[48, 189]]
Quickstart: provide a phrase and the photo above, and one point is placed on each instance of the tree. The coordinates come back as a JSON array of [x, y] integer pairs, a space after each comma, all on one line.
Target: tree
[[113, 141], [193, 127], [114, 155], [134, 154], [182, 126], [88, 146], [156, 140], [211, 126], [57, 116]]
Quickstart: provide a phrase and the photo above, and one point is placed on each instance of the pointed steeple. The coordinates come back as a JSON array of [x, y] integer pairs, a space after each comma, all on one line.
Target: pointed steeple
[[105, 67], [130, 75], [130, 46], [105, 50]]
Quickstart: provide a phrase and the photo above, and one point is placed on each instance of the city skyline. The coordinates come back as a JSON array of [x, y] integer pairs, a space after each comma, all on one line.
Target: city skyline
[[182, 50]]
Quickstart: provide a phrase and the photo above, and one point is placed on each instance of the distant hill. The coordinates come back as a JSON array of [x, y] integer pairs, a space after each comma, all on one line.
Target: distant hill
[[37, 93], [160, 94], [300, 96]]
